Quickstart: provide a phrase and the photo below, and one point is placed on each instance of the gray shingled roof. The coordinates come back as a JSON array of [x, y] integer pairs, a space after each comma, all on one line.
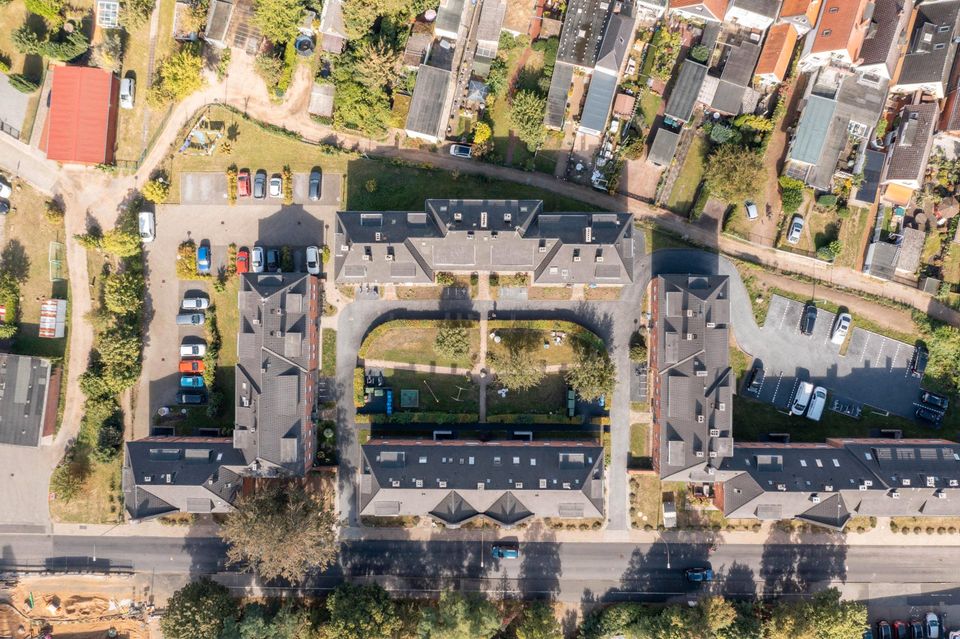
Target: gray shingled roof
[[488, 27], [931, 44], [557, 97], [812, 130], [180, 474], [872, 171], [908, 161], [449, 15], [276, 363], [664, 147], [582, 31], [683, 96], [487, 235], [882, 41], [616, 39], [766, 8], [23, 398], [218, 20], [428, 107], [695, 405], [596, 108], [506, 481]]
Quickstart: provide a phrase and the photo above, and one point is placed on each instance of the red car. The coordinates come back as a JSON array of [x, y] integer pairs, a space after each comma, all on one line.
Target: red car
[[900, 630], [194, 366], [243, 261], [243, 183]]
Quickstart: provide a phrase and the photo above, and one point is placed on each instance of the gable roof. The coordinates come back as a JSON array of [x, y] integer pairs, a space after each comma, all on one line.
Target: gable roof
[[24, 384], [777, 51], [707, 9], [765, 8], [488, 27], [455, 481], [180, 474], [683, 97], [882, 42], [908, 160], [932, 48], [582, 32], [81, 125], [616, 40], [428, 113], [664, 147], [839, 27]]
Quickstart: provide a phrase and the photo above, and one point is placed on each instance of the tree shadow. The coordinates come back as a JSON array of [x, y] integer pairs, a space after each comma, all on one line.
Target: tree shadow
[[14, 261], [540, 574], [796, 561]]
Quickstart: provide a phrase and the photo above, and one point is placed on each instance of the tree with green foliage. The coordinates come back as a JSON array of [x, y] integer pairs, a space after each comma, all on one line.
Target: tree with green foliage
[[943, 344], [753, 122], [638, 347], [517, 366], [197, 611], [827, 201], [593, 374], [823, 616], [482, 133], [178, 76], [360, 612], [452, 342], [257, 621], [49, 10], [268, 67], [360, 109], [119, 348], [21, 83], [134, 13], [282, 532], [66, 47], [634, 147], [458, 616], [10, 300], [278, 19], [156, 191], [723, 134], [526, 118], [713, 615], [108, 54], [121, 243], [733, 173], [67, 479], [123, 292], [376, 63], [539, 622], [497, 78], [699, 53], [791, 193]]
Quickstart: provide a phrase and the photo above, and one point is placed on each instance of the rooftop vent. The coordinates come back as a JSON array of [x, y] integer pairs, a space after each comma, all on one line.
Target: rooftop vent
[[895, 494]]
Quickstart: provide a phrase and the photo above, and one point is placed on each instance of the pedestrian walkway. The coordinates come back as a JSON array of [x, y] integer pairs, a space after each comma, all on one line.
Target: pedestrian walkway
[[481, 365], [418, 368]]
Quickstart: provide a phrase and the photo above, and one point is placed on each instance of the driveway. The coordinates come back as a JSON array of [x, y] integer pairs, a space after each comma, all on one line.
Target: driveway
[[267, 224], [874, 371], [211, 188]]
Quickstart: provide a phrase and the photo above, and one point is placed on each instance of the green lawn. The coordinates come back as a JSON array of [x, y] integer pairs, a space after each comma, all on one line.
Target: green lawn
[[649, 105], [328, 361], [438, 393], [852, 232], [752, 420], [639, 442], [691, 174], [255, 146], [415, 345], [541, 341], [405, 188], [645, 501], [98, 502], [228, 320], [548, 397], [25, 254]]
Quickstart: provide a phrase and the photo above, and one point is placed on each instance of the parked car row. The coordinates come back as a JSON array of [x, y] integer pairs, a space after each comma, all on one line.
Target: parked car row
[[931, 407], [261, 185], [261, 260], [929, 628], [192, 389], [809, 400]]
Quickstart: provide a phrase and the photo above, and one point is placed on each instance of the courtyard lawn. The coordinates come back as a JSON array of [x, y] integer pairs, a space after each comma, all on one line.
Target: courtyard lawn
[[852, 234], [649, 105], [546, 398], [98, 502], [438, 393], [404, 188], [415, 345], [228, 320], [25, 254], [639, 443], [691, 174], [254, 146], [645, 501], [328, 361]]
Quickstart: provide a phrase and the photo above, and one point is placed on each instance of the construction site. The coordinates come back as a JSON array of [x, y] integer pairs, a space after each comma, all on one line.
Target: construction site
[[76, 607]]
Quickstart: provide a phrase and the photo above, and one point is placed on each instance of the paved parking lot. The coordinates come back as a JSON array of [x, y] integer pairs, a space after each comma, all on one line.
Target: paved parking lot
[[874, 370], [265, 223], [211, 188]]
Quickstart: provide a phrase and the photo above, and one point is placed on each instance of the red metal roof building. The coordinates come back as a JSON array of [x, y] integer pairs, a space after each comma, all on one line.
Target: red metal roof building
[[81, 126]]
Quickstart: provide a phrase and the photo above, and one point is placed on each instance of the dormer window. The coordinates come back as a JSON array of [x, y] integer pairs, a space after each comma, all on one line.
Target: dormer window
[[826, 32]]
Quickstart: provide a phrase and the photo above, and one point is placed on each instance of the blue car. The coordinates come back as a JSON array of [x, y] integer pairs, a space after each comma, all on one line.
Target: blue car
[[698, 575], [191, 381], [203, 260], [505, 551]]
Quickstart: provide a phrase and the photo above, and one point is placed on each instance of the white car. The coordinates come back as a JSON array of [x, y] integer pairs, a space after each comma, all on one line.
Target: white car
[[127, 90], [840, 328], [276, 186], [801, 399], [193, 350], [461, 151], [256, 260], [932, 626], [5, 190], [148, 226], [817, 403], [313, 260], [751, 210], [191, 303], [796, 228]]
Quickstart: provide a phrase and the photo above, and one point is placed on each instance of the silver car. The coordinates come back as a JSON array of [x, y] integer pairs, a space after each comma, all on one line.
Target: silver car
[[256, 260], [796, 228], [313, 260], [193, 350], [840, 328], [127, 91], [148, 226], [195, 303], [276, 186]]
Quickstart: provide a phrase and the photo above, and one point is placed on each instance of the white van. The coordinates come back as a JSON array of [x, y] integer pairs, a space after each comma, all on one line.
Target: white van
[[801, 399], [818, 401]]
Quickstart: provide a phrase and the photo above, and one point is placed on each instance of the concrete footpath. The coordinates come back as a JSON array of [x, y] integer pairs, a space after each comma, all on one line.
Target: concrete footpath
[[768, 534]]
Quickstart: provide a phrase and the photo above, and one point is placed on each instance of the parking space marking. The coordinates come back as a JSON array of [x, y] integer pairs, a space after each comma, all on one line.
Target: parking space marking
[[783, 318], [895, 354], [776, 389], [883, 342]]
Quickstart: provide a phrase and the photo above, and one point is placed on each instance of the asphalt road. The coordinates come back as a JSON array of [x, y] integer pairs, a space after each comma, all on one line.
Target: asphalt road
[[569, 571]]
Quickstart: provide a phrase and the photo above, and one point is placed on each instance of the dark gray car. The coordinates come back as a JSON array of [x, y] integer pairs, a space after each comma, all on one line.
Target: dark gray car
[[315, 180], [260, 184]]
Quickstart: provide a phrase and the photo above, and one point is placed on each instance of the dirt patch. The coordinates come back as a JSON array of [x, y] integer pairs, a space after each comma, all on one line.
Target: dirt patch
[[32, 613]]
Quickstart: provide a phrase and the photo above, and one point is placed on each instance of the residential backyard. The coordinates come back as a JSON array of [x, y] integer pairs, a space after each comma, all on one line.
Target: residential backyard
[[415, 343], [546, 398], [437, 393], [684, 190]]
